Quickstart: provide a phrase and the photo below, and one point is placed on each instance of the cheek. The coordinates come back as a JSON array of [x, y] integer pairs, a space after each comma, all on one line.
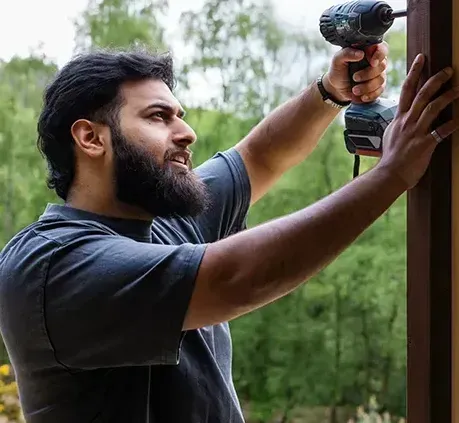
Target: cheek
[[152, 138]]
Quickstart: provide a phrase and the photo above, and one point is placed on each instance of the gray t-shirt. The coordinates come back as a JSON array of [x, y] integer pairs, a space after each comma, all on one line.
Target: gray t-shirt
[[91, 312]]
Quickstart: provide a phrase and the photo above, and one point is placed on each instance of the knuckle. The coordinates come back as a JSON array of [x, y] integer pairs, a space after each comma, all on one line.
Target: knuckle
[[430, 108], [405, 124], [424, 94], [345, 52], [372, 96]]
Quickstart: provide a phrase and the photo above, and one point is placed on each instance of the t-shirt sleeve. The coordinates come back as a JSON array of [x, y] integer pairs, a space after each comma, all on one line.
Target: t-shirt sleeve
[[111, 301], [228, 182]]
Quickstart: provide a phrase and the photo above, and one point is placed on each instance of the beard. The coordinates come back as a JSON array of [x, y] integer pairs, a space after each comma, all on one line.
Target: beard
[[161, 190]]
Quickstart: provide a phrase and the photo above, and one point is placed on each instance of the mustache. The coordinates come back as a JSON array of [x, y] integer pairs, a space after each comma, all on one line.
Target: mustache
[[171, 153]]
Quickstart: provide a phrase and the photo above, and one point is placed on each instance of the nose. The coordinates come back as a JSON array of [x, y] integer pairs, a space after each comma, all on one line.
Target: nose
[[184, 134]]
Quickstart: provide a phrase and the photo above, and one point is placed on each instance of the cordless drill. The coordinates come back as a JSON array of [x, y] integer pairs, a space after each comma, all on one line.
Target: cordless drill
[[361, 24]]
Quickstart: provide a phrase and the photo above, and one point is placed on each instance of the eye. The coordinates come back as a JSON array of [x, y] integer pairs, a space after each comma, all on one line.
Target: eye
[[159, 115]]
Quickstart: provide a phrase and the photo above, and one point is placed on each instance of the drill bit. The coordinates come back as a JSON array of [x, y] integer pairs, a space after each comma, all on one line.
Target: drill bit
[[398, 14]]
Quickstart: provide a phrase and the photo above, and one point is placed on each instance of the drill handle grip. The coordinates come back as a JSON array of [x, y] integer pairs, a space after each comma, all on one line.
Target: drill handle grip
[[355, 67]]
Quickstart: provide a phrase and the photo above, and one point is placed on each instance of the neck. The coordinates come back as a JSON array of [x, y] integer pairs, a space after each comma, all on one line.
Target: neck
[[104, 203]]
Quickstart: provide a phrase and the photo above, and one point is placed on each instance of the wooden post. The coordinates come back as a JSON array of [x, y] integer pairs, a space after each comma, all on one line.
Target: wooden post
[[455, 225], [429, 392]]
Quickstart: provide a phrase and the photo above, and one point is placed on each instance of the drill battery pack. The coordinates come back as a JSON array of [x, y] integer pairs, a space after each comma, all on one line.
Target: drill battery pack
[[365, 126]]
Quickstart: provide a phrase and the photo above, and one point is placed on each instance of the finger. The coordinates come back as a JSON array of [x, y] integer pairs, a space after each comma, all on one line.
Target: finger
[[428, 90], [374, 94], [370, 86], [444, 131], [433, 109], [410, 84], [345, 55], [380, 54], [370, 72]]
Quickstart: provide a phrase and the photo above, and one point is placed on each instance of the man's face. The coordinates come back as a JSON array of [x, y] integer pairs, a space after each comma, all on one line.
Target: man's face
[[152, 163]]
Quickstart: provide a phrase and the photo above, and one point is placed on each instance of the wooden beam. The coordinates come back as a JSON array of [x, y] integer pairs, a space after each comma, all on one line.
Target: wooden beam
[[455, 226], [429, 391]]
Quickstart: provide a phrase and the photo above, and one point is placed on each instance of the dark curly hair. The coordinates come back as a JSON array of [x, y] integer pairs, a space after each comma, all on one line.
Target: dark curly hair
[[88, 87]]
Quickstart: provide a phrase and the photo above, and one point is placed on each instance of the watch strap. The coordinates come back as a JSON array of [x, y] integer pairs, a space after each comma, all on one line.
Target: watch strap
[[328, 98]]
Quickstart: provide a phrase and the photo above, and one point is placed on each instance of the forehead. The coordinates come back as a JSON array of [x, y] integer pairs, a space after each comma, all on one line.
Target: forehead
[[138, 95]]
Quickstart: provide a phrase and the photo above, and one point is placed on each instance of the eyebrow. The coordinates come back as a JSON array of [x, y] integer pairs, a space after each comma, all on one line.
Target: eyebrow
[[167, 108]]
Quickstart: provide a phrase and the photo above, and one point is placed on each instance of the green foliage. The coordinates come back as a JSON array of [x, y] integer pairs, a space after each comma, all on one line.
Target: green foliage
[[341, 337], [372, 414], [121, 23], [21, 192], [397, 65], [256, 61], [337, 340]]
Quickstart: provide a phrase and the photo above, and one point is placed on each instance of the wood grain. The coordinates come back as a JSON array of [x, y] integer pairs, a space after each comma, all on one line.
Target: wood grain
[[429, 289]]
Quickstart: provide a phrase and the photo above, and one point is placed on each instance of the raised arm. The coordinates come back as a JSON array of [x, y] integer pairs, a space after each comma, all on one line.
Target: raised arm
[[255, 267], [291, 132]]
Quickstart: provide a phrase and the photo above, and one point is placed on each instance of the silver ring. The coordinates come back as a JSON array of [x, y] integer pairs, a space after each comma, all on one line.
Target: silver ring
[[436, 136]]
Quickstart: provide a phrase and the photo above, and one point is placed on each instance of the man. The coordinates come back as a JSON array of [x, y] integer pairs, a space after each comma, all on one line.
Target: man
[[114, 306]]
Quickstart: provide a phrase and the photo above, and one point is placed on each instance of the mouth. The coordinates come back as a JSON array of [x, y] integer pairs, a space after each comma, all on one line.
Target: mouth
[[179, 164], [181, 159]]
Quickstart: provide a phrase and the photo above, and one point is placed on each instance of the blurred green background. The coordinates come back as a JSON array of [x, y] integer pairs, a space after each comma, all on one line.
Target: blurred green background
[[335, 350]]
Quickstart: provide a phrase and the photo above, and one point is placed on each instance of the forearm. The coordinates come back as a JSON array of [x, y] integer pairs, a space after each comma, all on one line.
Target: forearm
[[291, 132], [259, 265]]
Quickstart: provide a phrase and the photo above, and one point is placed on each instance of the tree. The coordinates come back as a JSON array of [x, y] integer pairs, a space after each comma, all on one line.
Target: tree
[[121, 23], [252, 59]]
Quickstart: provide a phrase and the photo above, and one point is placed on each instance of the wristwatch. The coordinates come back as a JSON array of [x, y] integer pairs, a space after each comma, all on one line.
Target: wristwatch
[[328, 98]]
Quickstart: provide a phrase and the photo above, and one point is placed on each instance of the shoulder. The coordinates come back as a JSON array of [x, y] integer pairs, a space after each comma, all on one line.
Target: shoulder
[[28, 253], [227, 164]]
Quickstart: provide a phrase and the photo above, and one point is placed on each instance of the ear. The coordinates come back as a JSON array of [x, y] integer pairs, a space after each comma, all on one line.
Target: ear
[[90, 137]]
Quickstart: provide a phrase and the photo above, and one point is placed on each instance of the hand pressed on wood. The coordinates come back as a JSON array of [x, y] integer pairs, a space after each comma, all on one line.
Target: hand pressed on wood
[[408, 142]]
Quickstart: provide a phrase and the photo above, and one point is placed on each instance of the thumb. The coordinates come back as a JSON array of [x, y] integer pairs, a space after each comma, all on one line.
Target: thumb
[[346, 55]]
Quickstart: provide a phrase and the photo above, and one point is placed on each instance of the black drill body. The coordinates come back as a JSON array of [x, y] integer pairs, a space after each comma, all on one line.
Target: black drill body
[[356, 24], [362, 24]]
